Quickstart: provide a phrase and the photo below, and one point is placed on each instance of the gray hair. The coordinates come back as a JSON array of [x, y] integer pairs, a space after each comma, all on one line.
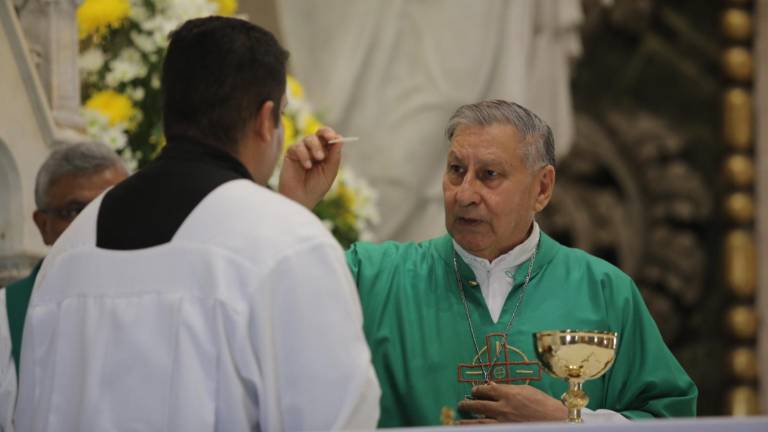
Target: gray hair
[[79, 158], [536, 134]]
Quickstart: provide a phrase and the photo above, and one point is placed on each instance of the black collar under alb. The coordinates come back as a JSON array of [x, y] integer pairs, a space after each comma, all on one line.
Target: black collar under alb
[[148, 208]]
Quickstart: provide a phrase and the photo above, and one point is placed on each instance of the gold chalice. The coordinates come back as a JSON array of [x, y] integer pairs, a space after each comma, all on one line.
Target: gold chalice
[[575, 356]]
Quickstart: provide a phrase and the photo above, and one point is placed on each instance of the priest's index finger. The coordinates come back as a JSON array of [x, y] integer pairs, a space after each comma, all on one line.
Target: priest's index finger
[[327, 134]]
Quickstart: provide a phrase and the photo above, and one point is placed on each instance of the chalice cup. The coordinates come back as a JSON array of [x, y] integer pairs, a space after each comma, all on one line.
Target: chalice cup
[[575, 356]]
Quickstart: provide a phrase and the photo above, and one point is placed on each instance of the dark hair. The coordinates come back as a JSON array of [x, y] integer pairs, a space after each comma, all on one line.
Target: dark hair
[[218, 72]]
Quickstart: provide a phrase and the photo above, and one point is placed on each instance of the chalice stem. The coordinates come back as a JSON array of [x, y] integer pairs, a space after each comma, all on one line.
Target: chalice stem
[[575, 399]]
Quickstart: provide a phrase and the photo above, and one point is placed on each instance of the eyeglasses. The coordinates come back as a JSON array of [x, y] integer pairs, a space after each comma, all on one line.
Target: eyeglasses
[[68, 212]]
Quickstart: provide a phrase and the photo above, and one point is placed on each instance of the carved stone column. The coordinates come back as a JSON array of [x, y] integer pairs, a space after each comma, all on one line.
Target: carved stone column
[[27, 133], [50, 28]]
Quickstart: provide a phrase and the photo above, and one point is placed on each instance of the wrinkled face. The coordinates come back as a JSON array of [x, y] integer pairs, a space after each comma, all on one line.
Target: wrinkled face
[[491, 196], [68, 195]]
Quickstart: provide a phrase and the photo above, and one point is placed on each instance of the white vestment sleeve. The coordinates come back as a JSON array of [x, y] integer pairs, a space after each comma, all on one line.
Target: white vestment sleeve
[[7, 371], [602, 416], [325, 377]]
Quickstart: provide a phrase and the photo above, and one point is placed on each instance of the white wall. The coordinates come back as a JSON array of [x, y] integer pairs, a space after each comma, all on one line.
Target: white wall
[[10, 197]]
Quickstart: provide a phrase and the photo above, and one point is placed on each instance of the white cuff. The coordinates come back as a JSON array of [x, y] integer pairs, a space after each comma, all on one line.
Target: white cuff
[[602, 416]]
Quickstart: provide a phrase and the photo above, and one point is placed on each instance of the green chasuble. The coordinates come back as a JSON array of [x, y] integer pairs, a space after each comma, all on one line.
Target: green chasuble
[[17, 297], [426, 361]]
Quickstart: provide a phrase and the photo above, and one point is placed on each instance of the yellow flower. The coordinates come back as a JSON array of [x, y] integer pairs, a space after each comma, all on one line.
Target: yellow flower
[[289, 132], [227, 7], [116, 107], [346, 196], [295, 90], [95, 17], [311, 125], [347, 218]]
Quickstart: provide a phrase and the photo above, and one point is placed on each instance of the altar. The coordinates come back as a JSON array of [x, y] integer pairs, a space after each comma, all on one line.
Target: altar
[[705, 424]]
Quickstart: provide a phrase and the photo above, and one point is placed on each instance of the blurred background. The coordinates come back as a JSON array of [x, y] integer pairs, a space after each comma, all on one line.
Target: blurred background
[[658, 107]]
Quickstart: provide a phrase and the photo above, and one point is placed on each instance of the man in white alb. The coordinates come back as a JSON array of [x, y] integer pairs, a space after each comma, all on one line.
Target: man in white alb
[[191, 297]]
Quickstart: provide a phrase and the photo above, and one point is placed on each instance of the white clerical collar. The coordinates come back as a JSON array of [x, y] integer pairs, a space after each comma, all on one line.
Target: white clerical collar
[[517, 255], [497, 278]]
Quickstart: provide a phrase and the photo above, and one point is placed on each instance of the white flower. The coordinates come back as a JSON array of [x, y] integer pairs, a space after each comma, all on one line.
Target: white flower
[[91, 60], [158, 27], [139, 13], [128, 66], [182, 10], [135, 93], [367, 198], [94, 122], [143, 42], [97, 128], [131, 162], [115, 137]]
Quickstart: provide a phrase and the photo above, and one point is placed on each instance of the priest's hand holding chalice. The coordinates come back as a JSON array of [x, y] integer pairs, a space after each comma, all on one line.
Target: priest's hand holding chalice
[[575, 356]]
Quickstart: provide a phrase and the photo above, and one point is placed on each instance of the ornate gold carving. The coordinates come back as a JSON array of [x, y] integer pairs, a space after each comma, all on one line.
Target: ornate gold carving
[[742, 321], [644, 215], [737, 25], [740, 263], [740, 207], [739, 170], [742, 401], [740, 271], [742, 363], [737, 120], [737, 64]]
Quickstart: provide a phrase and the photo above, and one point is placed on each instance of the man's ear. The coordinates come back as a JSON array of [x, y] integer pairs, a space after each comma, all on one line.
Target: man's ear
[[265, 122], [41, 220], [546, 179]]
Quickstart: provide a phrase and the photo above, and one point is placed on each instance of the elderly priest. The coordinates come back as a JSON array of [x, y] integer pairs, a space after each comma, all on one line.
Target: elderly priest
[[449, 320]]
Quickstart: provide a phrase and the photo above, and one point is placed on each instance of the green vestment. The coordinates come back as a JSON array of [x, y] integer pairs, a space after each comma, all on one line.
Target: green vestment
[[417, 329], [17, 297]]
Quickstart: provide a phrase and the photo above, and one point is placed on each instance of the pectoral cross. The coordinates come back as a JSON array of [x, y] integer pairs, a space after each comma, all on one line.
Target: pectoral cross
[[494, 359]]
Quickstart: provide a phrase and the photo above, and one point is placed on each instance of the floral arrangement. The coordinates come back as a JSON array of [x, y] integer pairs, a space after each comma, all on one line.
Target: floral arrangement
[[122, 46]]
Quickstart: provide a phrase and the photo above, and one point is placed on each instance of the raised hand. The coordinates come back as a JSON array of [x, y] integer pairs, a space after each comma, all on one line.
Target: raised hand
[[310, 167]]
